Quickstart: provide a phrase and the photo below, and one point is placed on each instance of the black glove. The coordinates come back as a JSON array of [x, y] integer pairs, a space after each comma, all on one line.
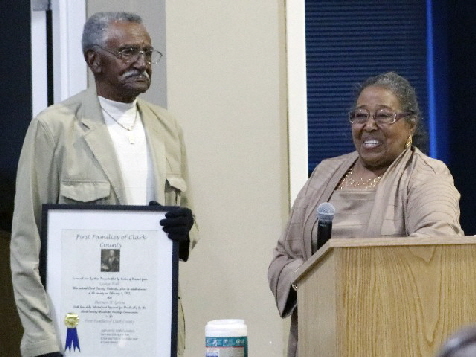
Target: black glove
[[177, 224], [51, 354]]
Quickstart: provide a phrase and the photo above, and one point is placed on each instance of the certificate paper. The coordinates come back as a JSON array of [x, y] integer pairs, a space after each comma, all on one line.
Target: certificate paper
[[111, 274]]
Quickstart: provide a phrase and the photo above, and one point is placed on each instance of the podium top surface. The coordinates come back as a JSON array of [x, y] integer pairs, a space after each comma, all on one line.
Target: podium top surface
[[334, 243]]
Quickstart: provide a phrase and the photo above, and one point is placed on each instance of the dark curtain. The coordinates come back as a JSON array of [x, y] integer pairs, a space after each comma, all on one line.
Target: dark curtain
[[462, 105], [15, 94]]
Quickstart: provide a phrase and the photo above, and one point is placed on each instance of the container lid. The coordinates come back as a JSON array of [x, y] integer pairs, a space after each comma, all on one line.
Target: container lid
[[226, 328], [226, 322]]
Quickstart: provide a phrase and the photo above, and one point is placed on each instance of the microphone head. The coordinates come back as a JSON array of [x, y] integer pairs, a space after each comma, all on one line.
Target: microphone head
[[325, 212]]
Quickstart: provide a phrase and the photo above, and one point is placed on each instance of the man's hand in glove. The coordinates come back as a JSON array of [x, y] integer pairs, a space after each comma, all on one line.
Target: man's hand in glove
[[177, 224]]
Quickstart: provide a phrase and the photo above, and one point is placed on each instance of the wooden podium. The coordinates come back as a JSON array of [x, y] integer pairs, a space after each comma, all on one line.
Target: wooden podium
[[385, 296]]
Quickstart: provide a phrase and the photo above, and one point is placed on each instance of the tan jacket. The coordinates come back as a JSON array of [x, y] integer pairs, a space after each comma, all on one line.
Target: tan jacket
[[68, 157], [416, 197]]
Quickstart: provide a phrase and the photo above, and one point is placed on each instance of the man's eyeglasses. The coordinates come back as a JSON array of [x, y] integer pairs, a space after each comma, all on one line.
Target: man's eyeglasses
[[381, 116], [130, 54]]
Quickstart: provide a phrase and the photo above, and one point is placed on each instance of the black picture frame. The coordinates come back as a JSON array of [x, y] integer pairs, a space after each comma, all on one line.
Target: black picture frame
[[64, 220]]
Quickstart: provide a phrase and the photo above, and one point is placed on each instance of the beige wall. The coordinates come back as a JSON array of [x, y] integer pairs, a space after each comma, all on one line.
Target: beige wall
[[226, 83]]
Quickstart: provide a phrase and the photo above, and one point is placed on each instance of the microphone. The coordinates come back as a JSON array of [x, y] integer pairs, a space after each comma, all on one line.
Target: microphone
[[325, 215]]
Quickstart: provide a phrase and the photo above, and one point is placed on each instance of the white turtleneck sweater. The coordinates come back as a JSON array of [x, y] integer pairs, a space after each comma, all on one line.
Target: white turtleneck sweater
[[131, 149]]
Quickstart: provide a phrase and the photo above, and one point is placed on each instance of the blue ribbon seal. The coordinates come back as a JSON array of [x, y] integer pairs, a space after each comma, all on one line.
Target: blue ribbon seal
[[72, 340]]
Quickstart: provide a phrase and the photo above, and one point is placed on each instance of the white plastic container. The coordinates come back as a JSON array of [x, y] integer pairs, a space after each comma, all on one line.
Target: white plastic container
[[226, 338]]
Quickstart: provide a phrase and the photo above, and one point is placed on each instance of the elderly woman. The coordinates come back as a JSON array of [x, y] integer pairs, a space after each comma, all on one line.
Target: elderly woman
[[387, 187]]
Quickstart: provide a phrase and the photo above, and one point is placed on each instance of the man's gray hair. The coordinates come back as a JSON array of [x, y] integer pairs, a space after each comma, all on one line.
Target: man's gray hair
[[95, 28]]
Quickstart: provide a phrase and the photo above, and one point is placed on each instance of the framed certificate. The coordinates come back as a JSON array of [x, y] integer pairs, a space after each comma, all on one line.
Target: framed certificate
[[112, 276]]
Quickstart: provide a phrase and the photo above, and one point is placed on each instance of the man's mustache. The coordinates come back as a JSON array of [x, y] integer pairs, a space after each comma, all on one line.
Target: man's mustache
[[133, 73]]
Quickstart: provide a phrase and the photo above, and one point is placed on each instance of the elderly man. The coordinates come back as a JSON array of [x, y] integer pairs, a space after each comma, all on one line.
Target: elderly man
[[103, 146]]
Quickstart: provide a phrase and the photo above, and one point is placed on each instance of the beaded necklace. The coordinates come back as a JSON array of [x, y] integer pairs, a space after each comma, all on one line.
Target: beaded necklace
[[349, 181]]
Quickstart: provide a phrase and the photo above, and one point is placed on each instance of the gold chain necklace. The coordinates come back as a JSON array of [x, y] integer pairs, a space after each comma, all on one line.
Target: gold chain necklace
[[130, 136], [348, 181]]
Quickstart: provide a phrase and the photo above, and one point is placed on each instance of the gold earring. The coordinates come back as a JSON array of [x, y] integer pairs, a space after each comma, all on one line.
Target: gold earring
[[409, 142]]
